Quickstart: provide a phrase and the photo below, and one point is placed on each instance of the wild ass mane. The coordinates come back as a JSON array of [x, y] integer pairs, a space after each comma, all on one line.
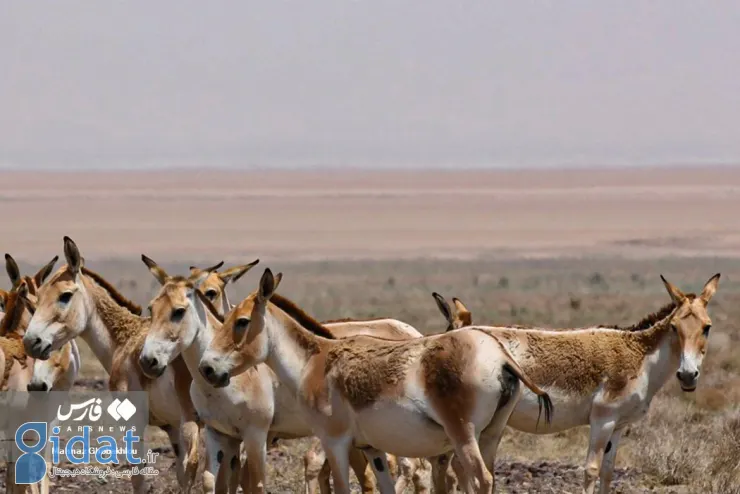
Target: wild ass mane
[[301, 317], [115, 294], [650, 320]]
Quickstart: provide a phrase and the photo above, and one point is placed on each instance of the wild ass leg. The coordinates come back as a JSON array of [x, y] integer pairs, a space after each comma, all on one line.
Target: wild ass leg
[[411, 472], [337, 451], [255, 441], [235, 467], [406, 468], [490, 437], [118, 382], [189, 426], [468, 454], [607, 466], [313, 464], [440, 482], [457, 477], [217, 446], [176, 442], [360, 465], [602, 428], [379, 463], [244, 473], [418, 476]]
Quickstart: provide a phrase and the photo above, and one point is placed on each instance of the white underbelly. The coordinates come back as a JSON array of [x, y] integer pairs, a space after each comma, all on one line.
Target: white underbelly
[[400, 429]]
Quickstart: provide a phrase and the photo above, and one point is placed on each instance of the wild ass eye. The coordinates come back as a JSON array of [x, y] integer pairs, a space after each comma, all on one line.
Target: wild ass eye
[[210, 294], [707, 327], [65, 297], [178, 314], [241, 324]]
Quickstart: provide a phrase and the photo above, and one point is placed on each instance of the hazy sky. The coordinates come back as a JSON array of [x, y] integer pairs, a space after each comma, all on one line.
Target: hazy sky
[[381, 83]]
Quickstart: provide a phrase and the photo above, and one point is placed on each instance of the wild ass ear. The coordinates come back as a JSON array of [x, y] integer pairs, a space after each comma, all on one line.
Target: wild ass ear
[[14, 273], [268, 285], [72, 255], [233, 274], [443, 306], [22, 289], [677, 295], [159, 274], [710, 288], [44, 272], [198, 276], [463, 314]]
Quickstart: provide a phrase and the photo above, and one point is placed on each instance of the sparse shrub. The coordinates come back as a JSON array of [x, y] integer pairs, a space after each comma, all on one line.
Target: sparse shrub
[[503, 282], [596, 279], [391, 282], [575, 303]]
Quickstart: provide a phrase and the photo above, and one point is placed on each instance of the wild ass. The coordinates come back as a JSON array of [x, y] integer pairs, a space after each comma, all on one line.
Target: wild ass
[[18, 305], [442, 391], [78, 302], [60, 371], [606, 376], [254, 407], [16, 364]]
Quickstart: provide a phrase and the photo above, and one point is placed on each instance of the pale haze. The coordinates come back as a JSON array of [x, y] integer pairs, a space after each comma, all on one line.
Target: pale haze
[[133, 84]]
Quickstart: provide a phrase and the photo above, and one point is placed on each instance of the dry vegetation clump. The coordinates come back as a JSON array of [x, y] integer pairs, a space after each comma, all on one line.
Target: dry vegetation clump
[[679, 444]]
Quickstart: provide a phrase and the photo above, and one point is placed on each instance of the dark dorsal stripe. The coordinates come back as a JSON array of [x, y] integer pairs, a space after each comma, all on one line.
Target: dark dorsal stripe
[[350, 319], [300, 316], [114, 294]]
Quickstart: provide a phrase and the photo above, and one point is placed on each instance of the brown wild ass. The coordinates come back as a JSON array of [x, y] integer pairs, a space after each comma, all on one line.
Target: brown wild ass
[[606, 377], [78, 302], [60, 371], [442, 391], [254, 407], [16, 368], [16, 365]]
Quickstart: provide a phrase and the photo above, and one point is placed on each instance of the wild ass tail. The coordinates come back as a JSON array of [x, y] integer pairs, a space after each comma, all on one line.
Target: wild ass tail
[[543, 399]]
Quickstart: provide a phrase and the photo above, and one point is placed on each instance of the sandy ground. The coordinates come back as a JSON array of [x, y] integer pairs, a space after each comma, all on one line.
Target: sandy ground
[[315, 215]]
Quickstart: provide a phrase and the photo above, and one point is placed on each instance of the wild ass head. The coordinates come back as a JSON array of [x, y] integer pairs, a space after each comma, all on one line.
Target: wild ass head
[[27, 289], [58, 372], [33, 282], [457, 317], [176, 316], [243, 341], [62, 307], [691, 324], [214, 285]]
